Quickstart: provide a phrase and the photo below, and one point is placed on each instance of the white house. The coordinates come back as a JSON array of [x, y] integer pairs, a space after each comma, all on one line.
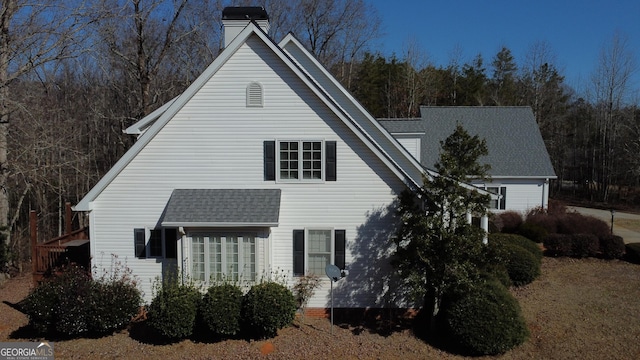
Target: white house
[[520, 164], [264, 165]]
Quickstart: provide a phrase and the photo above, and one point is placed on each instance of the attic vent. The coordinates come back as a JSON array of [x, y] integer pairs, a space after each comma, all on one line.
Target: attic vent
[[254, 95]]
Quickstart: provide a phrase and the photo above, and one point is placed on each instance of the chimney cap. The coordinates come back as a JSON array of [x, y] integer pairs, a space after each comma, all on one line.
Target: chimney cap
[[244, 13]]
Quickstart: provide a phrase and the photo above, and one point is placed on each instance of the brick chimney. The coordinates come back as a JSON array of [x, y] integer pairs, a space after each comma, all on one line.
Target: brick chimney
[[235, 19]]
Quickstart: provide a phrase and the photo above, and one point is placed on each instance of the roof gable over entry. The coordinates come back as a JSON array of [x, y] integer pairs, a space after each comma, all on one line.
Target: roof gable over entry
[[516, 147]]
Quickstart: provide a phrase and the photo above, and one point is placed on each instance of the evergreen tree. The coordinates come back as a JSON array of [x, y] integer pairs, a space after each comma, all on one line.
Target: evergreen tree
[[472, 85], [503, 83], [437, 250]]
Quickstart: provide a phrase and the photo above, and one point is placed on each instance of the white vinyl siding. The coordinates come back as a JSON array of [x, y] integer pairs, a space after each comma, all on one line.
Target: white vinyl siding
[[411, 143], [522, 195], [216, 141]]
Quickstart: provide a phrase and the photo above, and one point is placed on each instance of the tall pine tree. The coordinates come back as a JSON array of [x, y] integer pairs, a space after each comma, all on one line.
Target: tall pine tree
[[437, 250]]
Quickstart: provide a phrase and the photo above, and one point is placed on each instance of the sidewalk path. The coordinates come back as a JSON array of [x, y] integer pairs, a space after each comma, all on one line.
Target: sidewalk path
[[629, 236]]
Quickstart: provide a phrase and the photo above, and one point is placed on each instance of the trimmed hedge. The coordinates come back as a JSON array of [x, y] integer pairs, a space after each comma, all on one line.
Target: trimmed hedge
[[575, 223], [485, 321], [558, 245], [173, 310], [633, 252], [584, 245], [612, 247], [533, 232], [73, 304], [221, 309], [511, 221], [522, 265], [518, 240], [267, 308]]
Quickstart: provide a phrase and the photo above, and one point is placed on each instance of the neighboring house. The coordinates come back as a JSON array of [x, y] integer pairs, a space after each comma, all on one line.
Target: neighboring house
[[520, 164], [264, 166]]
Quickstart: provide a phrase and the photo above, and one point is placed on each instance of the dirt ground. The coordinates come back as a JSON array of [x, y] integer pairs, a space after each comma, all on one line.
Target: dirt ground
[[577, 309]]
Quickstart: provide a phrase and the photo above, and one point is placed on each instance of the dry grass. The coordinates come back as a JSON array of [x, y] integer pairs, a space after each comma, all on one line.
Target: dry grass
[[629, 224], [582, 309]]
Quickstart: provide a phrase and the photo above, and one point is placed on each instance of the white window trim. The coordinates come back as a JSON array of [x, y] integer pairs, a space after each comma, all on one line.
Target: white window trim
[[300, 178], [499, 195], [207, 271], [332, 259]]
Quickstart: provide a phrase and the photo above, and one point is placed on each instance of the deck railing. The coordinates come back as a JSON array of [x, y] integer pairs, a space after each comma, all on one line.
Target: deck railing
[[46, 256]]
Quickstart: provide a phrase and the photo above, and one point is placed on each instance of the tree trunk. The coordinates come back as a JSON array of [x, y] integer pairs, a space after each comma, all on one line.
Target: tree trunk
[[8, 9]]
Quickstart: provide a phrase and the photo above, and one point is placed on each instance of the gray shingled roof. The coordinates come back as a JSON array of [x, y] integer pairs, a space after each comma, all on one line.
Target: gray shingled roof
[[516, 148], [223, 207]]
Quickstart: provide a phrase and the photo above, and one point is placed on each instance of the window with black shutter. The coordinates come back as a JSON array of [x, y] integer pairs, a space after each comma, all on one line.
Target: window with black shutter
[[318, 251], [298, 252], [269, 160]]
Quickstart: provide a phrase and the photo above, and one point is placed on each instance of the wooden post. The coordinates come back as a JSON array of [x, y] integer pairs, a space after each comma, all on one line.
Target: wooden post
[[33, 230], [67, 218]]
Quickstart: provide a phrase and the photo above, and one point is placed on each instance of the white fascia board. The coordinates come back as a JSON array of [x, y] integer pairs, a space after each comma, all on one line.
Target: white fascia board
[[219, 224], [417, 167], [143, 124], [169, 113], [537, 177]]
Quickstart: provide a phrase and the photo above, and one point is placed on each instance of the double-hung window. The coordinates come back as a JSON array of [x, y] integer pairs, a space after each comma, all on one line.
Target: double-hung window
[[314, 249], [498, 202], [223, 257], [300, 160]]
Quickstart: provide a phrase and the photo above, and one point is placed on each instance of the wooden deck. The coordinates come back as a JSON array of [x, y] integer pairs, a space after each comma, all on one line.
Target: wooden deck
[[72, 247]]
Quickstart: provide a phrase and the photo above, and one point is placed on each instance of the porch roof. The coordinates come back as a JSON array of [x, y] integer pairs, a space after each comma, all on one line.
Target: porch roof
[[223, 208]]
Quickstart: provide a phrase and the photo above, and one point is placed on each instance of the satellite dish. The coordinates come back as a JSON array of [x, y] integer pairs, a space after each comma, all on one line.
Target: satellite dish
[[333, 272]]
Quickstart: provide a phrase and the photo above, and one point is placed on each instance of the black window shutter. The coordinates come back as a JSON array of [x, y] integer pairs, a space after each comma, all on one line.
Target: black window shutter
[[269, 160], [139, 243], [503, 198], [171, 243], [330, 161], [339, 247], [298, 252]]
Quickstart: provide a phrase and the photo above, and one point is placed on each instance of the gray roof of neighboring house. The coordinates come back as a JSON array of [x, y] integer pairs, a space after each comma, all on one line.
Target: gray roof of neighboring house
[[223, 207], [516, 148]]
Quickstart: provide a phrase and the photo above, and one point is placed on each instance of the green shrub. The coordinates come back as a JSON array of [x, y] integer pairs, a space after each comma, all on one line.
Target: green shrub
[[497, 272], [72, 303], [221, 309], [612, 247], [41, 306], [533, 232], [521, 265], [266, 308], [485, 321], [518, 240], [558, 245], [112, 305], [584, 245], [173, 310], [633, 252]]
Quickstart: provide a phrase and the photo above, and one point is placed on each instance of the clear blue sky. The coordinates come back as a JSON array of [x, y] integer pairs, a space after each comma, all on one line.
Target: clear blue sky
[[575, 30]]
